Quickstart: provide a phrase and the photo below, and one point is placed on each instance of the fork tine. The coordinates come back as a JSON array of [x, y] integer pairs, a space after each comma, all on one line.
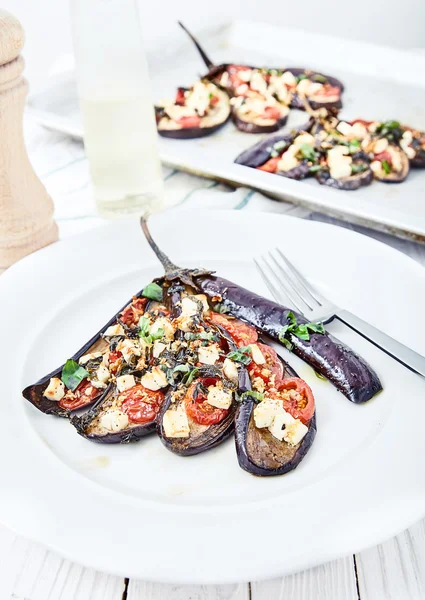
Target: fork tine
[[291, 280], [314, 294], [276, 293], [282, 288]]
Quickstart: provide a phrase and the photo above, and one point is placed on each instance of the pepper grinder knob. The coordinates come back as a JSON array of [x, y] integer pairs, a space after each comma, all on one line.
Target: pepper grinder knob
[[26, 210]]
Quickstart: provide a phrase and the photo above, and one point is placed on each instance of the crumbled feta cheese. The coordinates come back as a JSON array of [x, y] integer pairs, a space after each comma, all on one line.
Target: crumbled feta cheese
[[303, 86], [128, 348], [358, 130], [344, 128], [304, 138], [294, 432], [340, 170], [114, 420], [166, 325], [90, 356], [339, 163], [242, 89], [175, 424], [395, 161], [125, 382], [184, 323], [376, 168], [219, 397], [258, 83], [190, 307], [154, 379], [380, 145], [158, 348], [114, 330], [288, 160], [314, 88], [265, 412], [289, 79], [230, 370], [208, 355], [55, 390], [199, 98], [224, 81], [257, 355], [102, 374], [245, 75], [176, 112]]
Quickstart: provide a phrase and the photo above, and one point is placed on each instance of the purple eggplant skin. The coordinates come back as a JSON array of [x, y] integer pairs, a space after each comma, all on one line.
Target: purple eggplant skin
[[189, 133], [265, 462], [297, 101], [396, 176], [350, 373], [34, 393], [260, 153], [249, 127], [352, 183], [301, 171], [418, 145], [131, 434]]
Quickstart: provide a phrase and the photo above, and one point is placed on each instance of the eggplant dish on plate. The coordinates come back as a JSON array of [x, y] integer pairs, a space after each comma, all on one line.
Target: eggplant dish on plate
[[188, 358]]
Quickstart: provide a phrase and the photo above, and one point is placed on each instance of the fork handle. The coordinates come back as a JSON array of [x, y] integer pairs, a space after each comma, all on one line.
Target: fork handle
[[401, 353]]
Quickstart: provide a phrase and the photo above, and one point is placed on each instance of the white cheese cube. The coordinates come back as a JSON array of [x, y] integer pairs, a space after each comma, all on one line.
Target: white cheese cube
[[208, 355], [376, 167], [303, 86], [380, 145], [190, 307], [344, 128], [55, 390], [154, 379], [277, 426], [258, 83], [102, 374], [289, 79], [114, 330], [230, 370], [358, 130], [114, 420], [395, 162], [294, 432], [128, 349], [287, 162], [183, 323], [265, 412], [242, 89], [219, 397], [245, 75], [339, 170], [257, 355], [175, 424], [158, 348], [304, 138], [334, 154], [166, 325], [125, 382]]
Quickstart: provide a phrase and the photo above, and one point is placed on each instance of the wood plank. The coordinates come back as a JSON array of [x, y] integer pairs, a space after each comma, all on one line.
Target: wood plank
[[139, 590], [394, 570], [332, 581], [30, 572]]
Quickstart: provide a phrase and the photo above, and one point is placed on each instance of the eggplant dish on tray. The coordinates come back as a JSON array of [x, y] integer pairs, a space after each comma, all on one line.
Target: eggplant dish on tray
[[187, 357]]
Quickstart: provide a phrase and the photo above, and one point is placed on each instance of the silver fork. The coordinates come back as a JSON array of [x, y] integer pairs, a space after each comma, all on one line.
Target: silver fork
[[286, 283]]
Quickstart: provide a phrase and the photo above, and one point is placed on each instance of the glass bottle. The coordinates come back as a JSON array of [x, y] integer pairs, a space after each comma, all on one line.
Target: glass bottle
[[116, 102]]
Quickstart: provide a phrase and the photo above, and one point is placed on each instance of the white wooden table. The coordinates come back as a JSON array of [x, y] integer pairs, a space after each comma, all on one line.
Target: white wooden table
[[393, 570]]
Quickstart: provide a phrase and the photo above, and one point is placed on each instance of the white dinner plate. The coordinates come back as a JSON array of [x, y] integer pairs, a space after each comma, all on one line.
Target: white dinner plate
[[140, 511]]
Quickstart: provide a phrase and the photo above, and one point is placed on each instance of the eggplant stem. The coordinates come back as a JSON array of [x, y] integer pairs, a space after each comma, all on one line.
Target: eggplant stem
[[201, 51], [163, 258]]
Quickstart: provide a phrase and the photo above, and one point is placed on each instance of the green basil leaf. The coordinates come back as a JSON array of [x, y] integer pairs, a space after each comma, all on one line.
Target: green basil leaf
[[241, 355], [157, 335], [316, 327], [283, 333], [320, 78], [320, 376], [307, 151], [257, 396], [287, 344], [73, 374], [220, 308], [291, 318], [189, 377], [386, 166], [144, 325], [314, 168], [181, 369], [359, 168], [301, 77], [302, 332], [153, 291]]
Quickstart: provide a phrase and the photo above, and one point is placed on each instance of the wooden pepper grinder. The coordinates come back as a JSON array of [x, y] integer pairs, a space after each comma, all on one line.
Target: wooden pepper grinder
[[26, 210]]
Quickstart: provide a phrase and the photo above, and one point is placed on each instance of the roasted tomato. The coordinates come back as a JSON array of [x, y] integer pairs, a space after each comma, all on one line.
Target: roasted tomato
[[114, 357], [197, 407], [270, 166], [189, 122], [384, 156], [272, 366], [214, 100], [180, 97], [242, 333], [84, 394], [132, 313], [271, 112], [297, 398], [140, 404], [328, 90]]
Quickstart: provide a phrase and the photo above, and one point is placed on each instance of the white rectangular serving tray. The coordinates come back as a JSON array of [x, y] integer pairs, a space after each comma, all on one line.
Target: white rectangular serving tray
[[380, 83]]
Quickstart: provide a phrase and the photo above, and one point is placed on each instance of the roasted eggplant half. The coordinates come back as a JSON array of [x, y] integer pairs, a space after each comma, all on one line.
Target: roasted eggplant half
[[389, 162], [320, 91], [196, 112], [293, 155], [329, 357], [274, 430], [343, 171]]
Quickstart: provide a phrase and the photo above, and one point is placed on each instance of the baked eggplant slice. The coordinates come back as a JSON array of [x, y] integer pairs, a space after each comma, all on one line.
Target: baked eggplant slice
[[196, 112], [390, 163], [83, 379], [413, 144], [336, 362], [293, 155], [320, 91], [120, 418]]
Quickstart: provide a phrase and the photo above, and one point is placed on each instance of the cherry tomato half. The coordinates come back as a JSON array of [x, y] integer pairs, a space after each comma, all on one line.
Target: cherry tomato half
[[84, 394], [271, 112], [297, 398], [188, 122], [270, 166], [272, 366], [197, 407], [140, 404], [384, 156], [132, 313], [242, 333]]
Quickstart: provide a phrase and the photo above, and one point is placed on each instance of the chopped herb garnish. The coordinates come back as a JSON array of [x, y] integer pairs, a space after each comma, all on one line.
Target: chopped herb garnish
[[204, 335], [301, 77], [274, 154], [145, 335], [320, 78], [354, 146], [307, 151], [241, 355], [319, 376], [220, 308], [301, 331], [314, 168], [359, 168], [386, 166], [257, 396], [280, 145], [189, 377], [181, 369], [153, 291], [73, 374], [210, 95], [144, 325]]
